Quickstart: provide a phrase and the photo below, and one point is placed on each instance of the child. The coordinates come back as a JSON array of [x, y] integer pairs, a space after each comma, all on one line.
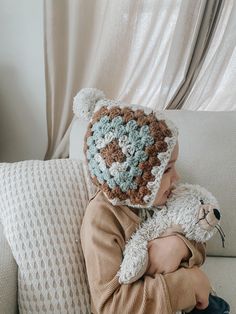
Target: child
[[131, 154]]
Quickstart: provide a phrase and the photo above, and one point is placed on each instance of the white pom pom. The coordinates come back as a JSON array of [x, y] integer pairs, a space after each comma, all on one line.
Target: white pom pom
[[85, 101]]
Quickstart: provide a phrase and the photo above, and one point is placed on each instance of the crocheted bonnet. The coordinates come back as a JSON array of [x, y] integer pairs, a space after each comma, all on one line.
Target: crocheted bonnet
[[127, 147]]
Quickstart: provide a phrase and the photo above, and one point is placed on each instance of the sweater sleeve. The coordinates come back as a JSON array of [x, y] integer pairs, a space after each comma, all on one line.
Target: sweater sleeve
[[103, 241], [197, 249], [197, 252]]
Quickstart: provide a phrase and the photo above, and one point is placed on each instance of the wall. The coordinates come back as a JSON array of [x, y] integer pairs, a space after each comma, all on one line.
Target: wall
[[22, 83]]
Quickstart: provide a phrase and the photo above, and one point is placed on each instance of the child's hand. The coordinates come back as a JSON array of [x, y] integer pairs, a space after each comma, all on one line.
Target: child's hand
[[166, 254], [201, 286]]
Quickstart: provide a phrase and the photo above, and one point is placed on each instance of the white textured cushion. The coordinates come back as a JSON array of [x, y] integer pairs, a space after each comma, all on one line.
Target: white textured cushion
[[41, 206]]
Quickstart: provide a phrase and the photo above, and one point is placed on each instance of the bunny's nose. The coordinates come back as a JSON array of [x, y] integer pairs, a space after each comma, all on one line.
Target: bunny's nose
[[216, 213]]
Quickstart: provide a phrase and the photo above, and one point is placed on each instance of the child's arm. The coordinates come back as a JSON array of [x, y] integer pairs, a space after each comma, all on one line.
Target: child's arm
[[103, 243], [167, 254], [200, 284]]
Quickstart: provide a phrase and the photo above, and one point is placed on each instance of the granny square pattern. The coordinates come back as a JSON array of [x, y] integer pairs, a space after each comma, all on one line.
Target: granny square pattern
[[127, 151], [127, 147]]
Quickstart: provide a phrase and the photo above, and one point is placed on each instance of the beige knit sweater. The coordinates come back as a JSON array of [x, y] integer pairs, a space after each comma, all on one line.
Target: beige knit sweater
[[104, 232]]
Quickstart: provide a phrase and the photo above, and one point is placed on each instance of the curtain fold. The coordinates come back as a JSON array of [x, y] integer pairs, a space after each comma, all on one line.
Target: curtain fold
[[214, 88], [142, 51], [211, 11]]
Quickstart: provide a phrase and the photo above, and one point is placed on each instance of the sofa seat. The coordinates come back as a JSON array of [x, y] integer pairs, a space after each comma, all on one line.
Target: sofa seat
[[222, 274]]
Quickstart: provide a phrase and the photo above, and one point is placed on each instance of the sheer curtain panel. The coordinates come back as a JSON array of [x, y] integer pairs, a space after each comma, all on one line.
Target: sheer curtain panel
[[138, 51]]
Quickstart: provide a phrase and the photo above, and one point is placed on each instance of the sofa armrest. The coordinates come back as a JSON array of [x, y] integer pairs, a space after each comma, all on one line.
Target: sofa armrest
[[8, 278]]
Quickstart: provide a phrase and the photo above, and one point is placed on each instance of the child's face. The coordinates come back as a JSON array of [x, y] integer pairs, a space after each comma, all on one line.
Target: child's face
[[170, 176]]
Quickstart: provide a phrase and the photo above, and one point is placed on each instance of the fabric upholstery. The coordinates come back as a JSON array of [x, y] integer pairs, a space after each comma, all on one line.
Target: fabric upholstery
[[200, 132], [41, 207], [221, 272], [8, 277]]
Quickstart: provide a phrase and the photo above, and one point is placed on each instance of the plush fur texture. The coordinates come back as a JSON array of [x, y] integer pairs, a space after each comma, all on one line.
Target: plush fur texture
[[191, 208]]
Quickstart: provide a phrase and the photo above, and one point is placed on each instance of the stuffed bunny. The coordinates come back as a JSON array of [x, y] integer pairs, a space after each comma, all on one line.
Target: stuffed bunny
[[190, 209]]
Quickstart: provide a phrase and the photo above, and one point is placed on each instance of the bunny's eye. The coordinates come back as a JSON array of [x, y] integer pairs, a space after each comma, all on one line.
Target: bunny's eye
[[201, 201]]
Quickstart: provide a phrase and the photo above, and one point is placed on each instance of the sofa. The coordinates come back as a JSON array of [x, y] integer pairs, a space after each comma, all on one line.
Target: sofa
[[42, 205]]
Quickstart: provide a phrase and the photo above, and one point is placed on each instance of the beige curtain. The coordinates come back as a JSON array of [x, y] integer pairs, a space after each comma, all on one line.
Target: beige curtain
[[139, 51], [203, 36], [215, 86]]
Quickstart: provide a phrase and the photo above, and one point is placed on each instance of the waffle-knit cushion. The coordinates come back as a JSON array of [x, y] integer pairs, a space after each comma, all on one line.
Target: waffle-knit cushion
[[41, 207]]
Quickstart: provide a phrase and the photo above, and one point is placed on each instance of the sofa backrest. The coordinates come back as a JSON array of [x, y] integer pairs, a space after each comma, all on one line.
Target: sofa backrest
[[207, 157]]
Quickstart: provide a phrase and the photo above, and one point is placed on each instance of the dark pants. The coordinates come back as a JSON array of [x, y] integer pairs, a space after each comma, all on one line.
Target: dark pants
[[216, 306]]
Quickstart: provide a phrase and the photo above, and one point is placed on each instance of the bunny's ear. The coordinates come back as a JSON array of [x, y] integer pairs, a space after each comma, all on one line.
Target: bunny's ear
[[85, 101]]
